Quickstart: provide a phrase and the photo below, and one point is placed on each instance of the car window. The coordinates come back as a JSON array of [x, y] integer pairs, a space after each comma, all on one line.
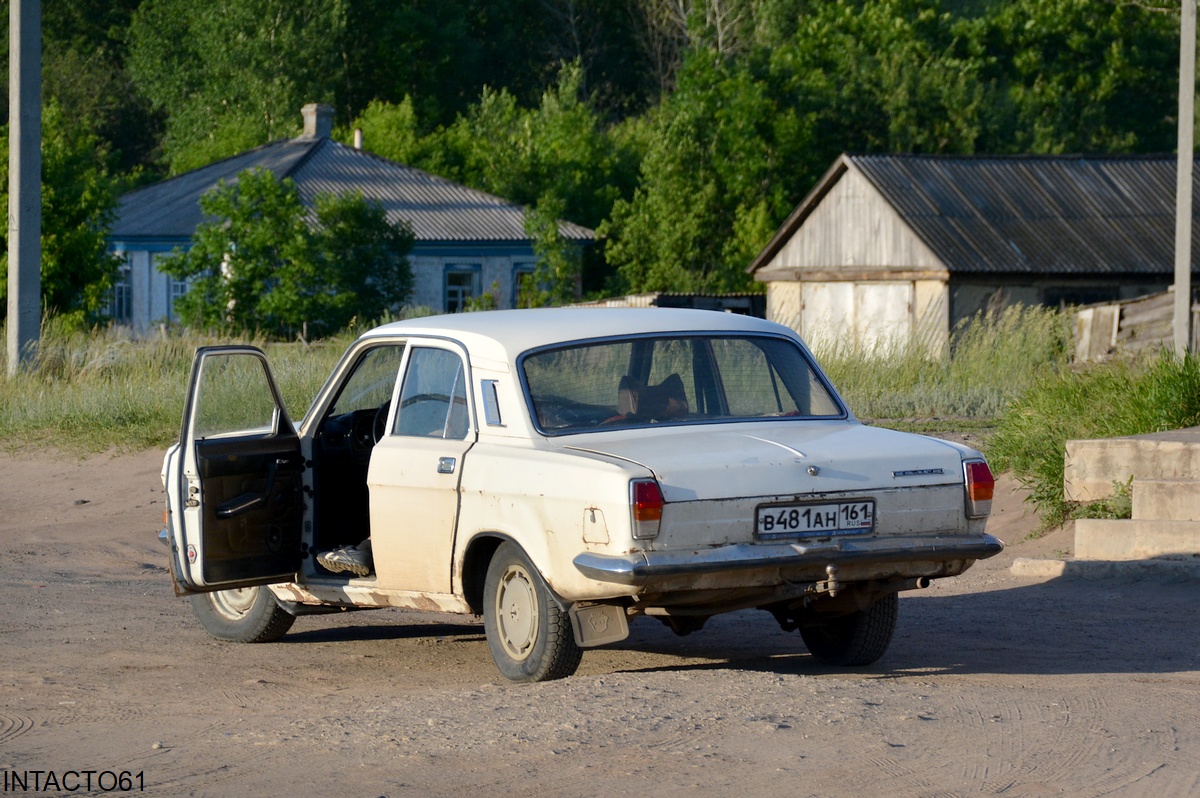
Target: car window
[[370, 385], [760, 379], [233, 395], [433, 398], [673, 379]]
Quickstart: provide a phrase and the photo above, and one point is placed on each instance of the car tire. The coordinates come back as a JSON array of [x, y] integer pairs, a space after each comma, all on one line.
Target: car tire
[[859, 638], [242, 615], [528, 633]]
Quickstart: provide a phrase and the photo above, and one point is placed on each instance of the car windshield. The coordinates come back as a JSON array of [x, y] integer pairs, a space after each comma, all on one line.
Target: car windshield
[[673, 379]]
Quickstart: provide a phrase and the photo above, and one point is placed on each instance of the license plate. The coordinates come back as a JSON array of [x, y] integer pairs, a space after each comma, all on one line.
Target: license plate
[[815, 520]]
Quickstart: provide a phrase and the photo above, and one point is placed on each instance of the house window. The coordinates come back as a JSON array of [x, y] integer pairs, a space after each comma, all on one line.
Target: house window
[[120, 298], [175, 290], [462, 284], [522, 280]]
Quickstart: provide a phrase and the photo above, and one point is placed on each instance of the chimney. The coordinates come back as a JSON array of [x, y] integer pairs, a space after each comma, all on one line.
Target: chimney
[[358, 138], [318, 120]]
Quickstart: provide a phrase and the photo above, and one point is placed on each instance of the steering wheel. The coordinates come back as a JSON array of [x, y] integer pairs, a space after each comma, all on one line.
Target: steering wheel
[[379, 423]]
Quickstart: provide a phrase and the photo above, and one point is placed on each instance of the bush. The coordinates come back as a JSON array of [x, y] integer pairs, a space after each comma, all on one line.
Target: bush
[[1104, 400]]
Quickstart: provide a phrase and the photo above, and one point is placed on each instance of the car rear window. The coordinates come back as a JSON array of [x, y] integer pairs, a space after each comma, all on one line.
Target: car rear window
[[675, 380]]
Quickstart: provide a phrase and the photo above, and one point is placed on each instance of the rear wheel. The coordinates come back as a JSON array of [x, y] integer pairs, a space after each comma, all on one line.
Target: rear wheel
[[859, 638], [528, 633], [242, 615]]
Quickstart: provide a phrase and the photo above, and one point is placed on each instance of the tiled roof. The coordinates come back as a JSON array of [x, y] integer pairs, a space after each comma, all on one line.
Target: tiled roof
[[438, 209]]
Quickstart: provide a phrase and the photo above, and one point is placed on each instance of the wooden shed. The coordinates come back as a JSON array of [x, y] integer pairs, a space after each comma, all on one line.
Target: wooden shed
[[887, 247]]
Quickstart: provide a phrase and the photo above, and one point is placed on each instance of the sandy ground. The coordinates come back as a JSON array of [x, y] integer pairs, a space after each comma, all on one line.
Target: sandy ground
[[994, 685]]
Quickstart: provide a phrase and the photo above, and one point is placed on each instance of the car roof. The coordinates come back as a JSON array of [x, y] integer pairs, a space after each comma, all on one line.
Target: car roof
[[503, 334]]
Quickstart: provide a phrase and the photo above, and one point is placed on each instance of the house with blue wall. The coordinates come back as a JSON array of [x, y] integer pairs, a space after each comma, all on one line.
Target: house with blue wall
[[467, 242]]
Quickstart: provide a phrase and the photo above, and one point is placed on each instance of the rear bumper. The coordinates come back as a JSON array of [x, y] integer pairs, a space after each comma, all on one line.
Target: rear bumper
[[643, 568]]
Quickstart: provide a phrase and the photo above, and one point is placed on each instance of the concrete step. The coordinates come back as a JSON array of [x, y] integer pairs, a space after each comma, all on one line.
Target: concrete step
[[1166, 499], [1154, 570], [1092, 466], [1098, 539]]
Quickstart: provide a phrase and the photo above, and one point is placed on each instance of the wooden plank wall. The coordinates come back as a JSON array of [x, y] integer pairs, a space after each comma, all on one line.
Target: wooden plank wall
[[1129, 327]]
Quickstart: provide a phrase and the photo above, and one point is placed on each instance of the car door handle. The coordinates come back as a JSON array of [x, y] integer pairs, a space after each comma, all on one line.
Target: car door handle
[[249, 500], [446, 465]]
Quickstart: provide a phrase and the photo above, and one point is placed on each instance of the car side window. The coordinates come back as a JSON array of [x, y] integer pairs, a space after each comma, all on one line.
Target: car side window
[[233, 396], [370, 385], [433, 398]]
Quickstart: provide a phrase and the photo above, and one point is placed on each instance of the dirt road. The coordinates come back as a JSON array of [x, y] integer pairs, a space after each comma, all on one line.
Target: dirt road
[[994, 685]]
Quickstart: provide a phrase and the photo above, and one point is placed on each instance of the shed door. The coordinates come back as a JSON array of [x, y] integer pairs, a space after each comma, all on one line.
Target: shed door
[[868, 315], [882, 314]]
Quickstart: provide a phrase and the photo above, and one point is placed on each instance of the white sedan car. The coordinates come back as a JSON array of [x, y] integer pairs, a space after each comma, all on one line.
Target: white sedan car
[[561, 473]]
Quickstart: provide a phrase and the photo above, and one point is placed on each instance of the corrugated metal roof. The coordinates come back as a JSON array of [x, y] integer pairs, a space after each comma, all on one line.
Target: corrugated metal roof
[[1022, 214], [437, 209], [1035, 214]]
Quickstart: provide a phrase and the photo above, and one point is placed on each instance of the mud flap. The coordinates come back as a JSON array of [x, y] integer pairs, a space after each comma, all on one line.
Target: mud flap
[[598, 624]]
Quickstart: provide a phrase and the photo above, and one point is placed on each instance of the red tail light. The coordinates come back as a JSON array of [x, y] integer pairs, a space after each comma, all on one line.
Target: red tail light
[[646, 505], [980, 485]]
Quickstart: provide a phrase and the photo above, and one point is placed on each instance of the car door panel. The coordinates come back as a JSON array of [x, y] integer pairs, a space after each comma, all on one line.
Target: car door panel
[[251, 507], [415, 470], [238, 508]]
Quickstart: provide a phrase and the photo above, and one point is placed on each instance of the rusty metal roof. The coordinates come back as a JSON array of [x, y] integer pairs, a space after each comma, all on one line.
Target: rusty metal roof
[[438, 209], [1023, 214]]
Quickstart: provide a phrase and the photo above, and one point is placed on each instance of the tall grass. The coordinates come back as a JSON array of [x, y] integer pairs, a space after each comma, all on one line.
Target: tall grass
[[95, 390], [101, 389], [1113, 399], [991, 360]]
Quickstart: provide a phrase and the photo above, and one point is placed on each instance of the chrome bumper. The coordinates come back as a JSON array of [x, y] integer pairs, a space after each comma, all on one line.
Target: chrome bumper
[[642, 567]]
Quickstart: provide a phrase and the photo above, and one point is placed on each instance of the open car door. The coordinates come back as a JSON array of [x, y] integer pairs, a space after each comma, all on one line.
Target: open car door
[[235, 480]]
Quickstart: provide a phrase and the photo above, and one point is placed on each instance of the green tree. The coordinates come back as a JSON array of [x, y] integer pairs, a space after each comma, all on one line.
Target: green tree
[[556, 280], [513, 151], [233, 74], [361, 261], [84, 53], [559, 148], [743, 136], [890, 76], [258, 265], [1081, 76], [711, 188], [79, 201]]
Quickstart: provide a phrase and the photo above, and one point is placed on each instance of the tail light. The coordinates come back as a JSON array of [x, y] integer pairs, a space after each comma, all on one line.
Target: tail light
[[645, 507], [980, 485]]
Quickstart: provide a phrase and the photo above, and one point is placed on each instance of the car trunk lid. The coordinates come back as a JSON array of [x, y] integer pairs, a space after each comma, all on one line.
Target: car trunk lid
[[778, 459]]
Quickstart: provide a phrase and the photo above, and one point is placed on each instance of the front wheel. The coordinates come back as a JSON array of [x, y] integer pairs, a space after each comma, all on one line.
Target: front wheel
[[242, 615], [859, 638], [528, 633]]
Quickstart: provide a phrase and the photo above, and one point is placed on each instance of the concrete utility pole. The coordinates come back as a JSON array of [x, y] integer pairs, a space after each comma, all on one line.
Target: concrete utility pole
[[1183, 179], [24, 180]]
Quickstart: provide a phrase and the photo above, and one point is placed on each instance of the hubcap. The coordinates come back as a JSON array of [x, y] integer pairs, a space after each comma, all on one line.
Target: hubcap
[[234, 603], [517, 612]]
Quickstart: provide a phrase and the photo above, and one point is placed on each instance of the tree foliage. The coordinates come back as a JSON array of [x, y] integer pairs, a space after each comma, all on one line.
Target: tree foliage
[[684, 130], [1082, 76], [556, 279], [519, 153], [233, 74], [79, 200], [258, 264]]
